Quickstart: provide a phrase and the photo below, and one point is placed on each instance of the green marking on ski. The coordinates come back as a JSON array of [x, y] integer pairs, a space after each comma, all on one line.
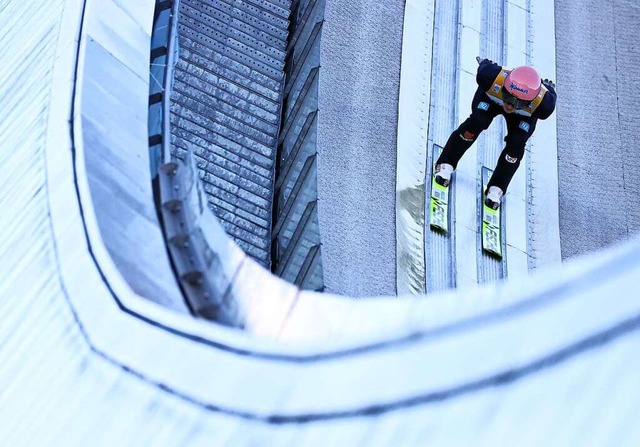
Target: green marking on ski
[[439, 208], [491, 232]]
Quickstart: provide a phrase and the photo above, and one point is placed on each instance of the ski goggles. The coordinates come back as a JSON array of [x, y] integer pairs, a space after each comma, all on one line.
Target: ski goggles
[[514, 101]]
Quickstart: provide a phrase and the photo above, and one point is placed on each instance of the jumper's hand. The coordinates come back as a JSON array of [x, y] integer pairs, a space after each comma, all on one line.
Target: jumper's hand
[[548, 83], [481, 60]]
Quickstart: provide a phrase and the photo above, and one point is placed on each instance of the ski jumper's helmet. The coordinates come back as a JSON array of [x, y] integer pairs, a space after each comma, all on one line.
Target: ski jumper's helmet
[[523, 83]]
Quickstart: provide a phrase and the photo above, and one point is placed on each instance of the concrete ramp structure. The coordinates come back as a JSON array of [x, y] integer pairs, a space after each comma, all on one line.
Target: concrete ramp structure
[[98, 347], [440, 44]]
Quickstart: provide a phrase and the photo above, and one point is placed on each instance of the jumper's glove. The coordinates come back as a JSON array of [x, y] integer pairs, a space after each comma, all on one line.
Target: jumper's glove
[[548, 83], [481, 60]]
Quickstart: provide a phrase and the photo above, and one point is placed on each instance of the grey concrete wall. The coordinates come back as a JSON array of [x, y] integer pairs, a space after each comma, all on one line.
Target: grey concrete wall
[[598, 66], [358, 102]]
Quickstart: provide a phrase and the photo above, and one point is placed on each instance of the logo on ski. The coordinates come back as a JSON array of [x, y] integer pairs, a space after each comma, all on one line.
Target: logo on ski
[[491, 222], [439, 204]]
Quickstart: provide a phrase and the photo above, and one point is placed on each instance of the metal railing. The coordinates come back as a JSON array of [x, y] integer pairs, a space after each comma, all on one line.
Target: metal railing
[[178, 201]]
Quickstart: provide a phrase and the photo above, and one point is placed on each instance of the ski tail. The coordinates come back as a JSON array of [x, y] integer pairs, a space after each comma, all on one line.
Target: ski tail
[[491, 221]]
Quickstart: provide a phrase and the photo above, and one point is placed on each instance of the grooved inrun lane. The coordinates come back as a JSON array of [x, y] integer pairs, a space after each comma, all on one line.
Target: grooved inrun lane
[[490, 143], [442, 120]]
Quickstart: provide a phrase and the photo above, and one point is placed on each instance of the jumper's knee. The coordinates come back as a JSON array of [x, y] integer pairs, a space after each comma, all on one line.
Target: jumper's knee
[[473, 126], [516, 142]]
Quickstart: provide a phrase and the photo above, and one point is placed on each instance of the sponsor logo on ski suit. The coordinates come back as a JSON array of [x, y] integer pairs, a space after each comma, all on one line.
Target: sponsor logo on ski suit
[[495, 93]]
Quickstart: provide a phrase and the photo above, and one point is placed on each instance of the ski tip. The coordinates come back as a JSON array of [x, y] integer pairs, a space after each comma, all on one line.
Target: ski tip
[[438, 228], [493, 254]]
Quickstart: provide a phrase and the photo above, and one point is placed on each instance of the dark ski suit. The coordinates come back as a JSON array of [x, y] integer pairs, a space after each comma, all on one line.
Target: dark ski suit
[[486, 105]]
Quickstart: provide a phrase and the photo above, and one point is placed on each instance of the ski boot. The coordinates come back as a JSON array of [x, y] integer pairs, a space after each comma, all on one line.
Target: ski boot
[[493, 197], [443, 174]]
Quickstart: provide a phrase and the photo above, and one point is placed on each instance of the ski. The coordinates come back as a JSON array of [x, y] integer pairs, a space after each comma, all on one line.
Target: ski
[[491, 230], [491, 222], [439, 207], [439, 218]]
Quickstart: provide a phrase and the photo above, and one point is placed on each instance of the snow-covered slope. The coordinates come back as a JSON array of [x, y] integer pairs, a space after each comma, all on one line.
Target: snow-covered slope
[[88, 359]]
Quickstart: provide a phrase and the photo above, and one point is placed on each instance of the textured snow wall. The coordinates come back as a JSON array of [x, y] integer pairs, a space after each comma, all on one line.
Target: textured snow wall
[[599, 161]]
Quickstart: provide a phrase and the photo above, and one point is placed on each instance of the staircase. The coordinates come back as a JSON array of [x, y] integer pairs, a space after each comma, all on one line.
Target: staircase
[[225, 108]]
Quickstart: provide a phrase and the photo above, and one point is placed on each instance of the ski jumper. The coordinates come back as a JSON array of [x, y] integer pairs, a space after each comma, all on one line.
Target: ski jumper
[[486, 105]]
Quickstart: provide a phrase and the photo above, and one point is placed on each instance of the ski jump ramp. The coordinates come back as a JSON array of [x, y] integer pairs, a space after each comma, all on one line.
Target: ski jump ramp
[[88, 358], [437, 83]]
